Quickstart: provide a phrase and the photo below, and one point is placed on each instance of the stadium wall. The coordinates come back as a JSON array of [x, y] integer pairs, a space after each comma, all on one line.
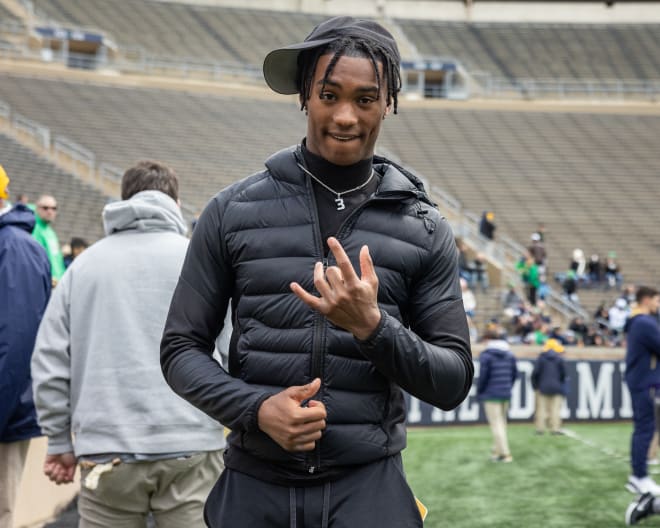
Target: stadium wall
[[519, 12], [596, 392]]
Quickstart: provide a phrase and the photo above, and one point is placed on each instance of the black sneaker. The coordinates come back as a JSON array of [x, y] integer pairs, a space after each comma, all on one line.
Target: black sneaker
[[637, 510]]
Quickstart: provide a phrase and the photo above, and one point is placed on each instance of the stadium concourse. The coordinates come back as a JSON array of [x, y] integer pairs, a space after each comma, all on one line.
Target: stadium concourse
[[584, 166]]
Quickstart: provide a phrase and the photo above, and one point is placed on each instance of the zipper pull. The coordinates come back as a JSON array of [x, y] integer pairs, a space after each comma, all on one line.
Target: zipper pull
[[325, 265], [311, 469]]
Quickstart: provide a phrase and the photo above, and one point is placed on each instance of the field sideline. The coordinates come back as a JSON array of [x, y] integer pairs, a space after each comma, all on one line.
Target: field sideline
[[554, 481]]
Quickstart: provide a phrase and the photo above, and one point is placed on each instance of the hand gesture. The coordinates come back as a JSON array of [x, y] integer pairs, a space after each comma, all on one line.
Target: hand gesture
[[348, 301], [287, 422], [60, 468]]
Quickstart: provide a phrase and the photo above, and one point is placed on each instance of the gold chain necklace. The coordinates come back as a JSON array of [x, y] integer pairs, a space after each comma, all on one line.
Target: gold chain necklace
[[339, 200]]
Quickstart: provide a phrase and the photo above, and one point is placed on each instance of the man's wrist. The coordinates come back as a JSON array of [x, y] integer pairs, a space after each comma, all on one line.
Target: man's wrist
[[363, 332]]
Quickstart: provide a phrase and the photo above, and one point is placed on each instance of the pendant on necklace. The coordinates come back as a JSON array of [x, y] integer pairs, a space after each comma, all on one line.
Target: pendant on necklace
[[340, 203]]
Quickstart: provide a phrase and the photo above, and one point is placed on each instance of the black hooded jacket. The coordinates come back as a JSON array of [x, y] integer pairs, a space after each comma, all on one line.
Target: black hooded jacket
[[255, 238]]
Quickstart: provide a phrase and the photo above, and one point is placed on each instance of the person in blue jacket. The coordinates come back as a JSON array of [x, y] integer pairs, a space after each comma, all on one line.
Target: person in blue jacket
[[549, 382], [643, 380], [497, 373], [24, 291]]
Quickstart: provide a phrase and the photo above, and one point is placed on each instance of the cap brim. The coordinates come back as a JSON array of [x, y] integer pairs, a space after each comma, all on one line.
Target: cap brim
[[281, 66]]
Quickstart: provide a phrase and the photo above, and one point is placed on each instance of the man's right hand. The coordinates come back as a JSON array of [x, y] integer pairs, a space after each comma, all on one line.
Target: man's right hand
[[293, 427]]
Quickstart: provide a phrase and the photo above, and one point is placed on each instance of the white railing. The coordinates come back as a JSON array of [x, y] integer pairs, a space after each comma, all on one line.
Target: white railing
[[486, 85], [30, 128], [69, 155]]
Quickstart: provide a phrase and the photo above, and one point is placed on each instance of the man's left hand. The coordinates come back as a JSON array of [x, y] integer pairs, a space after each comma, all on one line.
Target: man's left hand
[[60, 468], [346, 300]]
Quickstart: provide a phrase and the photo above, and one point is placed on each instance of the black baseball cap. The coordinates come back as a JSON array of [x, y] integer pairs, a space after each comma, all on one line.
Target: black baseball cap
[[281, 65]]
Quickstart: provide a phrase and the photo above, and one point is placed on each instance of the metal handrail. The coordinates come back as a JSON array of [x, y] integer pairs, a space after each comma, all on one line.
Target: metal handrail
[[34, 129]]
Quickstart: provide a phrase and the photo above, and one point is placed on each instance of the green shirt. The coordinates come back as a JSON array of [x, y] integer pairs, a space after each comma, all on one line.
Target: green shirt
[[46, 236]]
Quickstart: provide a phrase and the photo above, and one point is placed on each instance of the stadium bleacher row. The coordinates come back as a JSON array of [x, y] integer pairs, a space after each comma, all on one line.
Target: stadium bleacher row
[[184, 30], [506, 50], [542, 51], [590, 177], [79, 204]]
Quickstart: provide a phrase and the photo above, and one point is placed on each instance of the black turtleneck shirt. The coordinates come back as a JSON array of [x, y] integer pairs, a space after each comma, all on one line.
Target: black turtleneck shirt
[[340, 178]]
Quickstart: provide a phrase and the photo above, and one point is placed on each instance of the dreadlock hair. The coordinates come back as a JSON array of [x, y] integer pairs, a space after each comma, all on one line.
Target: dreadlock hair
[[349, 47]]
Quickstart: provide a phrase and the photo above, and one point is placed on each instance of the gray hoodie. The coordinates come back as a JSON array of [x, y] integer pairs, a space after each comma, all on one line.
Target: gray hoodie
[[96, 368]]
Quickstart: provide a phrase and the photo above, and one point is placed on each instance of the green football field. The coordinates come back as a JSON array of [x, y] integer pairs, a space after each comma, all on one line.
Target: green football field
[[554, 481]]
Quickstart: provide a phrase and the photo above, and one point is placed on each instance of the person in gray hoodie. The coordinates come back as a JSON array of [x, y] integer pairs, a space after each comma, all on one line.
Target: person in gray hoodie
[[98, 388]]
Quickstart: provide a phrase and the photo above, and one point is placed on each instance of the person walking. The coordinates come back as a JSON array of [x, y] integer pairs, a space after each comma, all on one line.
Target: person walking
[[99, 391], [549, 382], [497, 374], [643, 380]]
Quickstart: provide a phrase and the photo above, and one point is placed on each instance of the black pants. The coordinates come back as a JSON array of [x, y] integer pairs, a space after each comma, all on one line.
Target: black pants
[[373, 496]]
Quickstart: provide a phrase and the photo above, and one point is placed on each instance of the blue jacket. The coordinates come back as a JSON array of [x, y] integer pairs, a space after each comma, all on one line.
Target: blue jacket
[[642, 351], [549, 374], [497, 371], [24, 291]]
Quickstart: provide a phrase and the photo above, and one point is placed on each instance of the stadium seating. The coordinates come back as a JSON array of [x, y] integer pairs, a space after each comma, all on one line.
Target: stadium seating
[[542, 51], [6, 14], [590, 177], [183, 30], [79, 205]]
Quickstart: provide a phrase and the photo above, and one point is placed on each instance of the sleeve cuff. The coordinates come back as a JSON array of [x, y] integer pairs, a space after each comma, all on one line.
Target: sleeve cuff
[[253, 422], [375, 335], [60, 443]]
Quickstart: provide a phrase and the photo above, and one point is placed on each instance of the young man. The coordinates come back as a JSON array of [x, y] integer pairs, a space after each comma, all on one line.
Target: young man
[[99, 391], [43, 232], [24, 292], [343, 283], [643, 379]]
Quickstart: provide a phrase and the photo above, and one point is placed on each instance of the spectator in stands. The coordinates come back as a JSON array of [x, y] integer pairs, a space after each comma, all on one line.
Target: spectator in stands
[[24, 292], [540, 231], [487, 225], [44, 233], [617, 316], [538, 252], [579, 328], [497, 374], [570, 286], [480, 272], [99, 389], [643, 380], [629, 293], [529, 273], [512, 302], [595, 269], [258, 241], [77, 246], [579, 265], [464, 268], [612, 271], [549, 383]]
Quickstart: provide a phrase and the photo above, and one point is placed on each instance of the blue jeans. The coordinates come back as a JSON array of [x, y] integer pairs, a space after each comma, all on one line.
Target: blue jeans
[[643, 429]]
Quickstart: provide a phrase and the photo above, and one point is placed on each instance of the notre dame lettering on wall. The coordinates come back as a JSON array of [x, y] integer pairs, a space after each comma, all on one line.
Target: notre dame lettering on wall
[[596, 391]]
